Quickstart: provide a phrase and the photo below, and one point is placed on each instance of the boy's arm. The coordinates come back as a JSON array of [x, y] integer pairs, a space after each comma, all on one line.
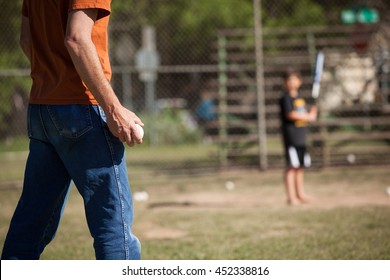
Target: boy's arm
[[310, 116], [120, 121]]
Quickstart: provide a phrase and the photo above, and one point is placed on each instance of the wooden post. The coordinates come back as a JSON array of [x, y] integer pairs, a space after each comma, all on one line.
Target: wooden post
[[261, 124], [222, 91]]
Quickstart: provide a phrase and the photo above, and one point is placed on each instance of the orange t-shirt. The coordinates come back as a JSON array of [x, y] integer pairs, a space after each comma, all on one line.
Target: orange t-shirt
[[55, 79]]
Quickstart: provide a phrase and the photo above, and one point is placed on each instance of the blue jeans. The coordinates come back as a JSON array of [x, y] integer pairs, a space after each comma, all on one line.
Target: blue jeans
[[72, 142]]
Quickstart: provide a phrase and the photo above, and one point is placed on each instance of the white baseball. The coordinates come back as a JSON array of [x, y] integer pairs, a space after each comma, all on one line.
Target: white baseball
[[141, 196], [229, 185], [140, 130], [351, 158]]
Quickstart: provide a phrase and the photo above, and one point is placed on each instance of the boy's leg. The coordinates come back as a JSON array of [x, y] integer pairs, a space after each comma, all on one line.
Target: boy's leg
[[305, 161], [289, 182], [289, 175], [299, 186]]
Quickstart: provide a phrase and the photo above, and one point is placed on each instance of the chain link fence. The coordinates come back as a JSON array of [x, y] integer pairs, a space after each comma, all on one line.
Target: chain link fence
[[190, 70]]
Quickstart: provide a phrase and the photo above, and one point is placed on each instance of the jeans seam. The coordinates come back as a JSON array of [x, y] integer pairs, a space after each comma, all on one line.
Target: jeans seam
[[119, 188], [29, 131], [44, 235], [42, 122]]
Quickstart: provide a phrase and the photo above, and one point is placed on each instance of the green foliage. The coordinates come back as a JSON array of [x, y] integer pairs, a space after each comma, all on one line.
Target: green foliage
[[10, 14], [204, 18], [11, 57], [172, 127], [192, 24], [289, 13]]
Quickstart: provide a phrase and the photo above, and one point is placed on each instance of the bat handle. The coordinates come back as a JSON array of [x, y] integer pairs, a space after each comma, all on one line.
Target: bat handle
[[316, 91]]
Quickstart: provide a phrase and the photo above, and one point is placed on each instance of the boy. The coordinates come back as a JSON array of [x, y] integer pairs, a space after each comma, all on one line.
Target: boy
[[295, 118]]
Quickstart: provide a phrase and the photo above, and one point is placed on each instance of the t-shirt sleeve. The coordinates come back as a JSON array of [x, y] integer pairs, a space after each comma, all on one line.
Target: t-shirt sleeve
[[286, 104], [24, 9], [104, 6]]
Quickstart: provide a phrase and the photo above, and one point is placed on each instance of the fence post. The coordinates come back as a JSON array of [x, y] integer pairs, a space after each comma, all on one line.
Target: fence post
[[147, 62], [311, 47], [222, 91], [261, 124]]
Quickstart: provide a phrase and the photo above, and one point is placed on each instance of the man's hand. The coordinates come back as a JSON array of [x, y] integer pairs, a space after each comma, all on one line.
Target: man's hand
[[121, 123]]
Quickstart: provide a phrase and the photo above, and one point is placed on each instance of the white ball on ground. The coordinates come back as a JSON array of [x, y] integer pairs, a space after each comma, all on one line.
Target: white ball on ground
[[229, 185], [141, 196], [351, 158]]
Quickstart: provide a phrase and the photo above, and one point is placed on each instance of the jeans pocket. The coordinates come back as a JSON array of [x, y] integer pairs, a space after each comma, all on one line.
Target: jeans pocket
[[71, 121]]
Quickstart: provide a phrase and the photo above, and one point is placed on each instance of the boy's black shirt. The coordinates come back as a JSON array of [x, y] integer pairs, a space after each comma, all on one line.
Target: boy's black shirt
[[294, 132]]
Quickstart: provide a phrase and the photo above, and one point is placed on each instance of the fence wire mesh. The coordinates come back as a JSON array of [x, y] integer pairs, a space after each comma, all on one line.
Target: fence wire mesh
[[206, 58]]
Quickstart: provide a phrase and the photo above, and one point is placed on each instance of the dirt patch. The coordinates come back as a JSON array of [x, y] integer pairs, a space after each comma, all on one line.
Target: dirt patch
[[352, 200], [242, 201]]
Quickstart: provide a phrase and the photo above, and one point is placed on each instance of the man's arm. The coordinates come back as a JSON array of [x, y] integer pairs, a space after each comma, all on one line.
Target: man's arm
[[25, 37], [120, 121]]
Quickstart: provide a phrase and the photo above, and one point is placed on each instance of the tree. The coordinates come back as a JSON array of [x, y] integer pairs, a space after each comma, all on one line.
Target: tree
[[289, 13], [185, 29]]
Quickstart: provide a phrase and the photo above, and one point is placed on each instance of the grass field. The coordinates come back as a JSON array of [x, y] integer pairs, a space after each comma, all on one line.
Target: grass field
[[192, 215]]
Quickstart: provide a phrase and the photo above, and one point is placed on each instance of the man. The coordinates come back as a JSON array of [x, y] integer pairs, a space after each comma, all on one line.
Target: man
[[76, 127]]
